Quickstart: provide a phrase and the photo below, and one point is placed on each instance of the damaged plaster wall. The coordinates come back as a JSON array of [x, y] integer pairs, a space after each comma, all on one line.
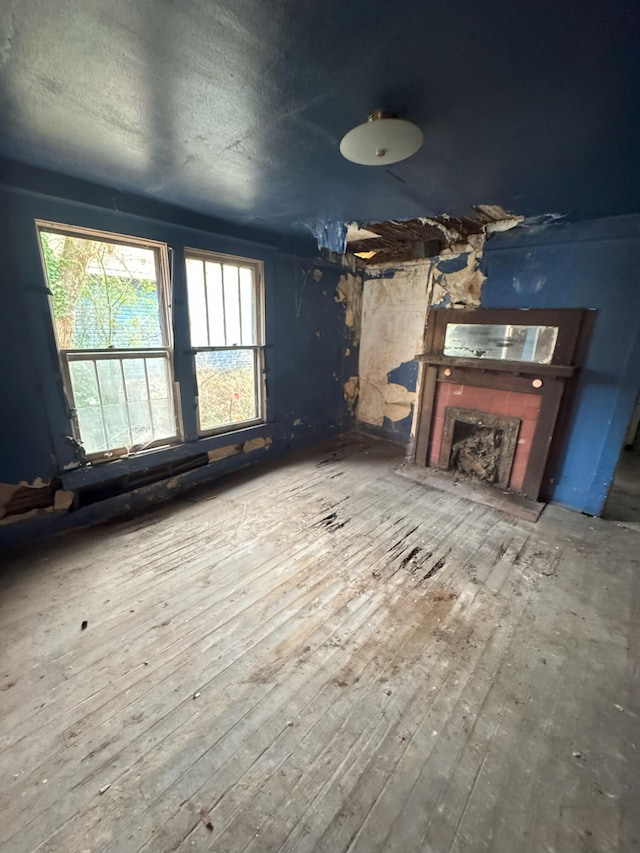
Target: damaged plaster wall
[[393, 316], [349, 292], [395, 307]]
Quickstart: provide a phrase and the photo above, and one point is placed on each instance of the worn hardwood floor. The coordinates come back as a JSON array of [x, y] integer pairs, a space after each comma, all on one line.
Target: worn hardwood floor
[[323, 656]]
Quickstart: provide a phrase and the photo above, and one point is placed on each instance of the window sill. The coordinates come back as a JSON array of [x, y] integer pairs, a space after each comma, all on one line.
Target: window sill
[[89, 475]]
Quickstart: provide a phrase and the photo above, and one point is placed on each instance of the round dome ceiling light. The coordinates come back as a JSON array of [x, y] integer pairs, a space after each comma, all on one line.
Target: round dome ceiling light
[[383, 139]]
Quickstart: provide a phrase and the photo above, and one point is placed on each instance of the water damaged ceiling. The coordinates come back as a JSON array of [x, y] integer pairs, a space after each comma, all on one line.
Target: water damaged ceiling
[[425, 237]]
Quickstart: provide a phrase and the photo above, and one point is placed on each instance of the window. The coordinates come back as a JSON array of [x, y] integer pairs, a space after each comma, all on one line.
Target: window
[[507, 342], [110, 306], [227, 338]]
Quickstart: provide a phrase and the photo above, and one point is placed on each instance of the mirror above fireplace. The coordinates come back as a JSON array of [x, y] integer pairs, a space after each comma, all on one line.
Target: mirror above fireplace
[[506, 342]]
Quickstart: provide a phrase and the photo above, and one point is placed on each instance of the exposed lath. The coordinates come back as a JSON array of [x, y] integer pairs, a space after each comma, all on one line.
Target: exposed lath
[[426, 237]]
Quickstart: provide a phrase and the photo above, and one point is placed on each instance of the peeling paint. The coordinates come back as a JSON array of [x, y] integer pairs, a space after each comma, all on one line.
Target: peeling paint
[[351, 390], [173, 483], [317, 275], [503, 225], [393, 316], [19, 501], [257, 444], [297, 422], [349, 291], [396, 302], [330, 234], [223, 452], [462, 287], [347, 352], [63, 499], [396, 411]]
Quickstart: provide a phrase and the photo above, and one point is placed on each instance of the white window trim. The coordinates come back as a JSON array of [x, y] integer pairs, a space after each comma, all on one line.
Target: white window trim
[[258, 348], [160, 250]]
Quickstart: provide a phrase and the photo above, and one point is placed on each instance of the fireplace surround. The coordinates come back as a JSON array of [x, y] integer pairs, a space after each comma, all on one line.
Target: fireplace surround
[[506, 371]]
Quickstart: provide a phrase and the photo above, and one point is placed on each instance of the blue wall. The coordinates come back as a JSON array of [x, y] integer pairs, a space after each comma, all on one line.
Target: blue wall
[[305, 336], [595, 265]]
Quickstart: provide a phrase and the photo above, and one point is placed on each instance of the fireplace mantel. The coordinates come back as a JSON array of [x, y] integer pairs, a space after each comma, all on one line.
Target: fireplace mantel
[[530, 389], [517, 368]]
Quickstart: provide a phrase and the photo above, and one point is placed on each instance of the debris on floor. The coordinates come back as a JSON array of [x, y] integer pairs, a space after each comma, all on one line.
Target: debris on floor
[[204, 817]]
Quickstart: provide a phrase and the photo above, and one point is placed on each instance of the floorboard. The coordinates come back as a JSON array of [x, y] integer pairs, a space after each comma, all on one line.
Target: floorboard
[[322, 656]]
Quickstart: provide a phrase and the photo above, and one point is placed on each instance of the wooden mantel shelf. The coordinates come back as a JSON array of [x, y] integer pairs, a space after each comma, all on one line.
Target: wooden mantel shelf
[[514, 367]]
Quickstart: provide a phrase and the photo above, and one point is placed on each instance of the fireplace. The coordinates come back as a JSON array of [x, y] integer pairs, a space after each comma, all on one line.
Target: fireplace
[[490, 389], [479, 445]]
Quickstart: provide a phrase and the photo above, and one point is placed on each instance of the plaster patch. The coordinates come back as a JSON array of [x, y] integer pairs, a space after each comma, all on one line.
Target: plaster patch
[[396, 411], [390, 401], [503, 225], [63, 499], [355, 232], [349, 291], [257, 444], [393, 317], [351, 390], [462, 286], [223, 452]]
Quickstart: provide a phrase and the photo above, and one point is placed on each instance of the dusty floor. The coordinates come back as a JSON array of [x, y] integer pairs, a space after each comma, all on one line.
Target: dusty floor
[[327, 657], [623, 501]]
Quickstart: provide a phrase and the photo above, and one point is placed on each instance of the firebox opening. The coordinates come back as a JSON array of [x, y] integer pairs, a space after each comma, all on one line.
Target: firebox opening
[[476, 451], [479, 444]]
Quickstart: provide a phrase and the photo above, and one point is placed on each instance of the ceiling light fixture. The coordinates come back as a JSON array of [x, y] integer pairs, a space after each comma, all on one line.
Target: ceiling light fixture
[[381, 140]]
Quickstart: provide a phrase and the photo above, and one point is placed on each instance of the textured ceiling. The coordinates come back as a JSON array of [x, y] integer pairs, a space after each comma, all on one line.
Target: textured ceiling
[[235, 108]]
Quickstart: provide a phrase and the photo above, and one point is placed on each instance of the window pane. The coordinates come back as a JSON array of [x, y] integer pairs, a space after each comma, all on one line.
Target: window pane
[[103, 294], [117, 423], [511, 343], [111, 384], [227, 383], [215, 305], [87, 402], [197, 303], [232, 305], [222, 303], [122, 402], [247, 309], [158, 378], [135, 380], [141, 424], [85, 384], [163, 419]]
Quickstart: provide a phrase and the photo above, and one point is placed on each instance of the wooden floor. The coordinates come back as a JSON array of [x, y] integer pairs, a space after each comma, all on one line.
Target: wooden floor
[[623, 502], [323, 657]]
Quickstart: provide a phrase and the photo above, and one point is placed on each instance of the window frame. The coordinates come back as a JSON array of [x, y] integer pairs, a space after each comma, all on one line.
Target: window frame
[[204, 255], [66, 356]]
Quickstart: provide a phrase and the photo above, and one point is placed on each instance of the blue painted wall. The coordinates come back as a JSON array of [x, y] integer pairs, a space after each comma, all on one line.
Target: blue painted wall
[[305, 335], [595, 265]]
